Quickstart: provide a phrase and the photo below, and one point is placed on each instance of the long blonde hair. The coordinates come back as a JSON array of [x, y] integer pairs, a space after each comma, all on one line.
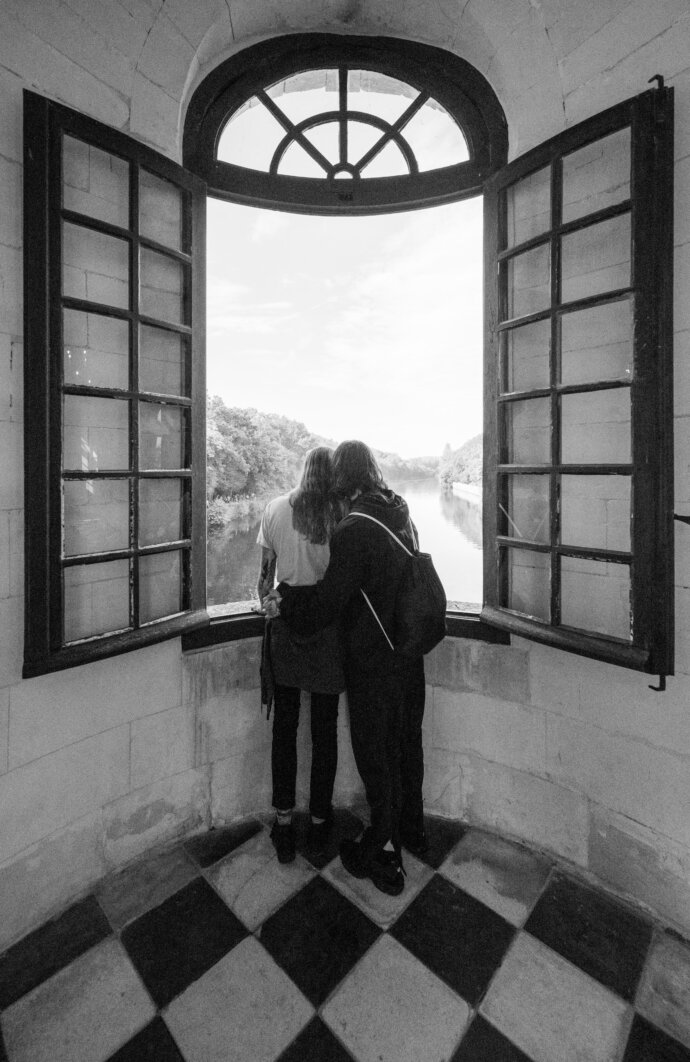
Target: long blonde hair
[[315, 511]]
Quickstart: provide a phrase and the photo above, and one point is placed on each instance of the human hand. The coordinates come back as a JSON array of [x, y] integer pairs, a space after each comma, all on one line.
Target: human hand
[[271, 604]]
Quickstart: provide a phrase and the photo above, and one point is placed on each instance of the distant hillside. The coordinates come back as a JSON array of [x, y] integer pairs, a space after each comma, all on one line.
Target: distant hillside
[[463, 465], [250, 454]]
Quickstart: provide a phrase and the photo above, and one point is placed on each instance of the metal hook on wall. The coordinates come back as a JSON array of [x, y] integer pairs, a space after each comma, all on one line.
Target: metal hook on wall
[[661, 688], [659, 80]]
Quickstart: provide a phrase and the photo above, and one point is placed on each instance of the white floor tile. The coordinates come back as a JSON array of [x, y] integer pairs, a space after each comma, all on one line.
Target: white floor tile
[[252, 881], [391, 1008], [381, 908], [505, 877], [84, 1013], [244, 1009], [553, 1011], [664, 992]]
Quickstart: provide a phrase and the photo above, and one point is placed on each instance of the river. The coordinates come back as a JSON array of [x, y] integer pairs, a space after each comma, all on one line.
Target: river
[[450, 529]]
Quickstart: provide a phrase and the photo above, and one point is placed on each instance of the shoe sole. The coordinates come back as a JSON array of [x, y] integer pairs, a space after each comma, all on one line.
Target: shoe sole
[[391, 888]]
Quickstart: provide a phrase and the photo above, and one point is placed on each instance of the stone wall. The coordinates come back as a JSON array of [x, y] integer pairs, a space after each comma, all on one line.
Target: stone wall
[[101, 762]]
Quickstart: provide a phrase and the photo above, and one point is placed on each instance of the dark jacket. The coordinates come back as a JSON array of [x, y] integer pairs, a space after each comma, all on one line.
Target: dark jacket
[[363, 557]]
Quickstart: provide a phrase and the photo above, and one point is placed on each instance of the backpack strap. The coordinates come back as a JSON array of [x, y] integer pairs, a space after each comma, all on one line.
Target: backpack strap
[[391, 533]]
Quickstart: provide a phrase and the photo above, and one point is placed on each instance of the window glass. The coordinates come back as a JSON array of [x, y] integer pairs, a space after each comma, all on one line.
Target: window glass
[[528, 282], [95, 266], [160, 511], [388, 162], [94, 182], [525, 356], [596, 259], [435, 138], [95, 516], [162, 287], [378, 94], [525, 579], [161, 436], [160, 210], [96, 350], [595, 512], [528, 207], [595, 427], [160, 585], [527, 431], [162, 361], [595, 596], [597, 343], [95, 433], [525, 508], [96, 599], [250, 137], [597, 175]]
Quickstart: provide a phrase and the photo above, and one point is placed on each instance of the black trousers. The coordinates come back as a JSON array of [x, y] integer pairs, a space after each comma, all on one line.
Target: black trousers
[[324, 751], [386, 702]]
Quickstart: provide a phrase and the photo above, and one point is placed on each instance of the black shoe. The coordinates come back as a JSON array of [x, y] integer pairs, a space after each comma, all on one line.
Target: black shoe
[[416, 843], [283, 838], [384, 868], [318, 834]]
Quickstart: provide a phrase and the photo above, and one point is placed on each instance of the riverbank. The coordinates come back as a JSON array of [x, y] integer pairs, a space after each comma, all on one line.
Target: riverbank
[[468, 491]]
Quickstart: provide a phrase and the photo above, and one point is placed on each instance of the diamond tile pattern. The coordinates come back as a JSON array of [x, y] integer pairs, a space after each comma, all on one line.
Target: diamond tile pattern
[[213, 951]]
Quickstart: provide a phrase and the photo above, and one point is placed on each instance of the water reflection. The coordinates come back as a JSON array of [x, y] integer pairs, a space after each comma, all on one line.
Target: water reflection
[[450, 528]]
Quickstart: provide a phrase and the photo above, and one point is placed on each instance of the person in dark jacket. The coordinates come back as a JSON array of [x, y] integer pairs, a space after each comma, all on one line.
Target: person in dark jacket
[[359, 590]]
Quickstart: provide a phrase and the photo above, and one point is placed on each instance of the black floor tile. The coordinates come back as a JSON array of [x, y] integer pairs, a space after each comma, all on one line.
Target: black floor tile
[[483, 1043], [443, 835], [152, 1044], [345, 825], [649, 1044], [180, 940], [458, 938], [593, 932], [208, 848], [317, 937], [45, 951], [316, 1043]]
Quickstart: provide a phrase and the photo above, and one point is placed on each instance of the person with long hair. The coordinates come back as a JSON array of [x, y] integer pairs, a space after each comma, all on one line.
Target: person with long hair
[[294, 538], [385, 693]]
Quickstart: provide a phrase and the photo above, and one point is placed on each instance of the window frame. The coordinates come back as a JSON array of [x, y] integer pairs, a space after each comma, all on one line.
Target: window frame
[[45, 648], [650, 118]]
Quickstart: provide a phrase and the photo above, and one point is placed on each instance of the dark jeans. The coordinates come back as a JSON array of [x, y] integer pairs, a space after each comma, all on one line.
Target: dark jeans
[[324, 750], [386, 703]]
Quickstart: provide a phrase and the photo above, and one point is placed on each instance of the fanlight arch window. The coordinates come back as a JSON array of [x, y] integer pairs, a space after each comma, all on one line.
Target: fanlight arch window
[[344, 125]]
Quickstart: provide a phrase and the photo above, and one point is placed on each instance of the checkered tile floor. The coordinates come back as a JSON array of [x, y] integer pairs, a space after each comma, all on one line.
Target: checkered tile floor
[[214, 952]]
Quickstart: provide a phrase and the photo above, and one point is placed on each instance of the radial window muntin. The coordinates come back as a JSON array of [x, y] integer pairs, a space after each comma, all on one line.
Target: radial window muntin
[[347, 120]]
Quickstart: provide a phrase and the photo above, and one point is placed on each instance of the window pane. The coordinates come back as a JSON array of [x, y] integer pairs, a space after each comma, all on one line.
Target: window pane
[[327, 139], [96, 599], [296, 162], [597, 343], [595, 512], [390, 162], [307, 93], [95, 433], [162, 361], [524, 511], [160, 511], [160, 210], [528, 207], [161, 436], [162, 287], [525, 356], [525, 581], [361, 138], [528, 282], [96, 349], [95, 266], [160, 586], [597, 176], [435, 138], [94, 182], [595, 427], [527, 432], [95, 515], [379, 94], [596, 259], [595, 596], [250, 137]]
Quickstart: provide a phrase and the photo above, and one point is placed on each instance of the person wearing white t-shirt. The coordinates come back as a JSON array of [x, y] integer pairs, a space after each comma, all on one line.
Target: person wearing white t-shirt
[[294, 536]]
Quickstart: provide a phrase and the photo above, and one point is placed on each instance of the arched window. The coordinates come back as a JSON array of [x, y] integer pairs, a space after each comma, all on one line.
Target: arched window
[[352, 125]]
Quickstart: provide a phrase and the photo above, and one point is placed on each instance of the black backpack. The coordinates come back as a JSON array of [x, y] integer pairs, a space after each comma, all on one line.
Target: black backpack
[[420, 604]]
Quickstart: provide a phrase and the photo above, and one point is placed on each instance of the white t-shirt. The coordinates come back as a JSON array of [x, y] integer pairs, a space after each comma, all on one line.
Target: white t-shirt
[[299, 561]]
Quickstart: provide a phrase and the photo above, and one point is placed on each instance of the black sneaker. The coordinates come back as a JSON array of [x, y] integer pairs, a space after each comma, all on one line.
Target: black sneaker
[[384, 868], [283, 838]]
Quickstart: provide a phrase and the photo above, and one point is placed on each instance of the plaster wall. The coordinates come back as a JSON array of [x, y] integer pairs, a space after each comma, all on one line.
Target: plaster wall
[[100, 763]]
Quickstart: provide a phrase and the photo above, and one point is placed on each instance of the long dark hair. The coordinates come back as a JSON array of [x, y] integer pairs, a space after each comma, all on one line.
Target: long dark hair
[[315, 511], [355, 468]]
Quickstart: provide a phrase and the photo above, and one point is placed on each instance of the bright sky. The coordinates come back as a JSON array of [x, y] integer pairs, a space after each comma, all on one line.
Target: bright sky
[[365, 328]]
